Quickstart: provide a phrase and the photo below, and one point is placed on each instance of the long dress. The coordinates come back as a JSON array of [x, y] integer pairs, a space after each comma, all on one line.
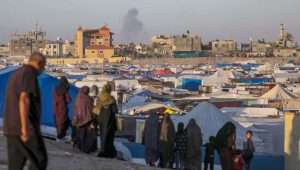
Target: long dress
[[194, 143], [86, 136], [107, 122], [225, 140], [62, 120], [167, 141], [151, 138]]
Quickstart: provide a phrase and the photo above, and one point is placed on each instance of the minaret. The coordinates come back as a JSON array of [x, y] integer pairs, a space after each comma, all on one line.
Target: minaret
[[281, 33]]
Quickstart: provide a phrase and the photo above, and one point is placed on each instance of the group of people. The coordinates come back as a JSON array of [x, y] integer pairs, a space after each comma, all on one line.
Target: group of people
[[232, 158], [166, 148], [93, 114]]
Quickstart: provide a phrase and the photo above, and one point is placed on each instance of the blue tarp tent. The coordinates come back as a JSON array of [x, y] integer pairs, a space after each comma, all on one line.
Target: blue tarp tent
[[191, 84], [47, 84], [254, 81]]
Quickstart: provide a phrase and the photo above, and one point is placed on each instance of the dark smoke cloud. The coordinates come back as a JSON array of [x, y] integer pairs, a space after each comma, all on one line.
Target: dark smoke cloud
[[133, 28]]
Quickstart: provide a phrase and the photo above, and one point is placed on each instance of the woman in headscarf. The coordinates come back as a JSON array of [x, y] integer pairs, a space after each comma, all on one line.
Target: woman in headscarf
[[151, 138], [106, 107], [225, 143], [86, 139], [194, 143], [61, 99], [180, 146], [167, 139], [94, 93]]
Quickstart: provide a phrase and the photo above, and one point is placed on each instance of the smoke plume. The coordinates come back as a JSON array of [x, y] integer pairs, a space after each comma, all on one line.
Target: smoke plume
[[132, 28]]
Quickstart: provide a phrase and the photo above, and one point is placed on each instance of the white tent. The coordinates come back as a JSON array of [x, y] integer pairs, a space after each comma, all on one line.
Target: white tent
[[250, 111], [278, 93], [211, 120], [218, 78]]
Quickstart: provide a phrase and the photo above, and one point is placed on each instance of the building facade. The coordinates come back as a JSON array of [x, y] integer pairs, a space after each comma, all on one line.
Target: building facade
[[4, 49], [224, 46], [23, 44], [261, 48], [53, 48], [187, 42], [168, 45], [285, 39], [93, 42], [285, 52]]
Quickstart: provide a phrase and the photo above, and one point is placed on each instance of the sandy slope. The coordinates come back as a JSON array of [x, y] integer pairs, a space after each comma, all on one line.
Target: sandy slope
[[62, 157]]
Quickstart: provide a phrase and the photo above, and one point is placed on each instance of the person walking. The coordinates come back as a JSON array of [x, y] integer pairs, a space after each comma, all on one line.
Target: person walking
[[194, 142], [209, 158], [166, 142], [22, 115], [225, 143], [61, 99], [248, 149], [85, 135], [180, 146], [107, 109], [151, 139]]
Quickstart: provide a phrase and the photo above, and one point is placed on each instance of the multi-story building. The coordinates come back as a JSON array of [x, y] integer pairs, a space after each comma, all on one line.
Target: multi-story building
[[162, 44], [285, 39], [187, 42], [261, 48], [53, 48], [184, 44], [4, 49], [285, 52], [94, 43], [68, 48], [23, 44], [224, 46]]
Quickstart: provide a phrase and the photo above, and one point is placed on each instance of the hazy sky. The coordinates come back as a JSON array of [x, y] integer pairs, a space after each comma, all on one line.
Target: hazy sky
[[211, 19]]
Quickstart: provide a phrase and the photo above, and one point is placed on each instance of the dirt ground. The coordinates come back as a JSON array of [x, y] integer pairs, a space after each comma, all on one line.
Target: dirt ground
[[63, 157]]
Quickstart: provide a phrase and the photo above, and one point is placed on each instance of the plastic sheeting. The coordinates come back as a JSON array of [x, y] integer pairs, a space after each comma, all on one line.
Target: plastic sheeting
[[250, 111], [47, 86], [278, 93]]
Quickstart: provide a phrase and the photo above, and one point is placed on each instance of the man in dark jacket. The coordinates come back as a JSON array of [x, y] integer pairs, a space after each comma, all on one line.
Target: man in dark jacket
[[248, 149], [22, 117]]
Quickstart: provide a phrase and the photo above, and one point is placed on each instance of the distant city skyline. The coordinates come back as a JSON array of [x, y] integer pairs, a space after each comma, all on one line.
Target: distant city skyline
[[139, 20]]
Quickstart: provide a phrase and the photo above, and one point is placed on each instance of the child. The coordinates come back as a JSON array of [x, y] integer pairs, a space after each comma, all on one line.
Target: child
[[238, 161], [248, 149], [209, 154]]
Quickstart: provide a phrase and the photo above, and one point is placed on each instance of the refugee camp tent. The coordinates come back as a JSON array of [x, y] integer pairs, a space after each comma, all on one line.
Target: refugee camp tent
[[47, 86], [211, 120], [219, 78], [126, 84], [250, 111], [278, 93], [134, 101], [156, 107]]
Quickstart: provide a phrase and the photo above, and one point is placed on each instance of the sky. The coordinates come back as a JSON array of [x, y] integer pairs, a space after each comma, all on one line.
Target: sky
[[139, 20]]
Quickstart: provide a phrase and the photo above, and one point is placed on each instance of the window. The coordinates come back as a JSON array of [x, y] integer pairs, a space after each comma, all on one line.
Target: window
[[54, 46]]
